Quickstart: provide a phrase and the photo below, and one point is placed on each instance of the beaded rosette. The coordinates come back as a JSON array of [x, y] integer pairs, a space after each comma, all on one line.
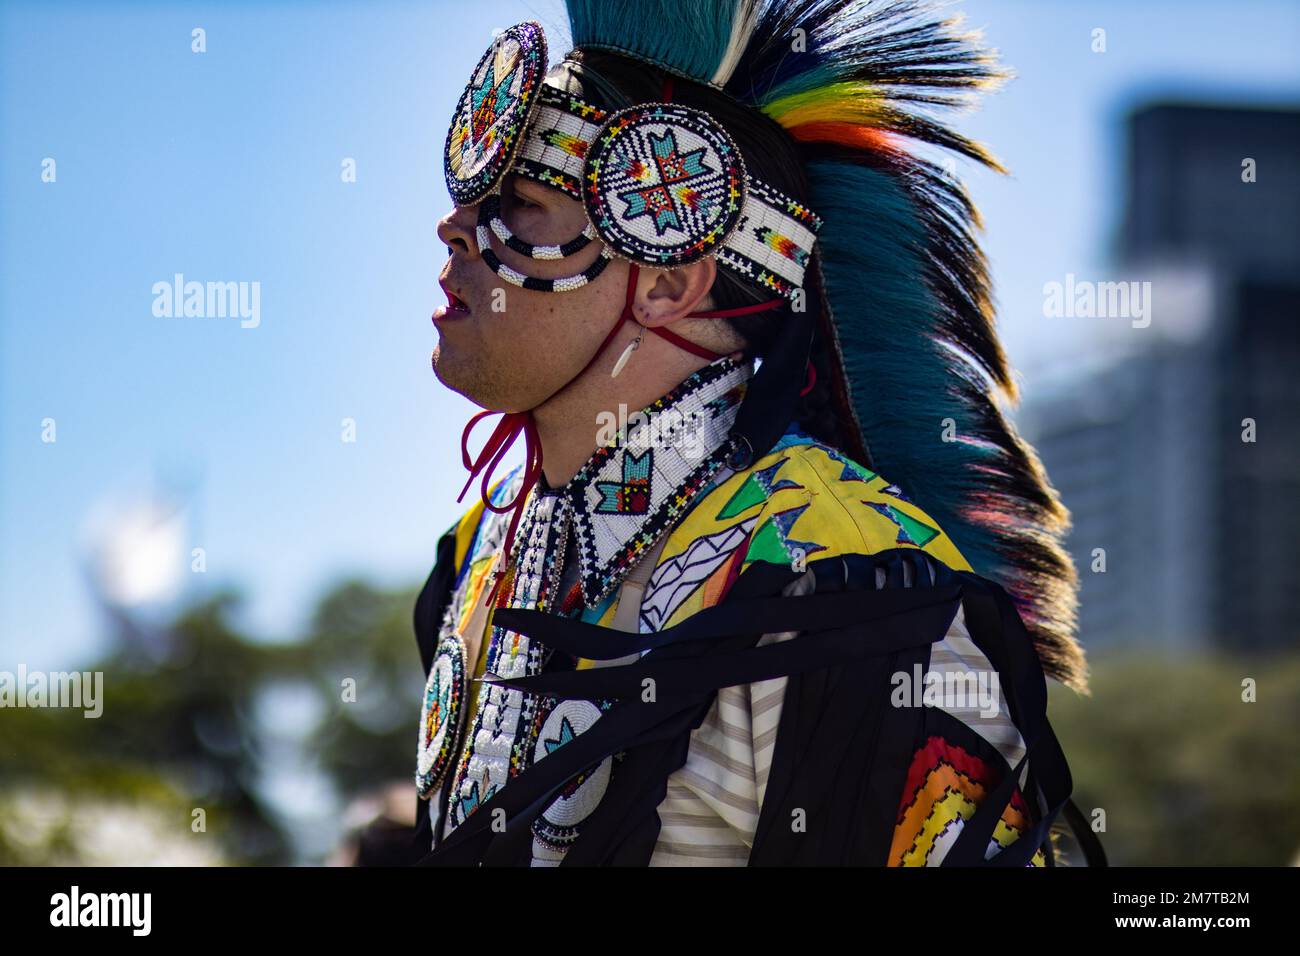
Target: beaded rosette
[[493, 110], [663, 184], [441, 713]]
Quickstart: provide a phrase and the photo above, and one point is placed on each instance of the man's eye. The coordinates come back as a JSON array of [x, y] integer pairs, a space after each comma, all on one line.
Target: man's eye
[[517, 200]]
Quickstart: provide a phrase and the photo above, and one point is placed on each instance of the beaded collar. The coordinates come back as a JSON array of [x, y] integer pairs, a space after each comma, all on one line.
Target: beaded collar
[[655, 461], [652, 466]]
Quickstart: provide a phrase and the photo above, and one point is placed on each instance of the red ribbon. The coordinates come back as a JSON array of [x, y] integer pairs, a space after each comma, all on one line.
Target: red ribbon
[[503, 436]]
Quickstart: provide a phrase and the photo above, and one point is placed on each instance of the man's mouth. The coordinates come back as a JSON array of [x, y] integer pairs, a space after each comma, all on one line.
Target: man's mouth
[[456, 307]]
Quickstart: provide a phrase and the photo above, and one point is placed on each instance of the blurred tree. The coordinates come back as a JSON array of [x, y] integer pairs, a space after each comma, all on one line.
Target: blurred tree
[[1186, 771], [360, 653], [180, 730], [173, 737]]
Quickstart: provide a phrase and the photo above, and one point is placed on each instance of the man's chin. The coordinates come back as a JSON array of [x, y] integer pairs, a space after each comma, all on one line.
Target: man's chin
[[444, 367], [479, 385], [455, 376]]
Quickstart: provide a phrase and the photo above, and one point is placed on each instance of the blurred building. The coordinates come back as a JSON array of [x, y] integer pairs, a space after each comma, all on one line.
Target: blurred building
[[1198, 526]]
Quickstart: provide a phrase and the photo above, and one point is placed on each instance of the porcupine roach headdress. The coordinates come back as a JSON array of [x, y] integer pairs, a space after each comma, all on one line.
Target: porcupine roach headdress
[[904, 300]]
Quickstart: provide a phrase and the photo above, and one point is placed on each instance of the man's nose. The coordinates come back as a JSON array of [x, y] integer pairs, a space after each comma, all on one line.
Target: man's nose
[[457, 230]]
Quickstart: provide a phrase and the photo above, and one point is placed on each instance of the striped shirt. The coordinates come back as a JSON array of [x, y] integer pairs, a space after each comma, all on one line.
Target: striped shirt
[[710, 811]]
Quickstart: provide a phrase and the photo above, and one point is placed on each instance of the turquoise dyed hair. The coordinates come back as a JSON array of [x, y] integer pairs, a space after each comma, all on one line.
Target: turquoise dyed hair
[[687, 37], [910, 330], [903, 381]]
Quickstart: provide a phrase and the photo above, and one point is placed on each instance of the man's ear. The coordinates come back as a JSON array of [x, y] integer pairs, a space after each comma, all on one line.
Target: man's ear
[[665, 295]]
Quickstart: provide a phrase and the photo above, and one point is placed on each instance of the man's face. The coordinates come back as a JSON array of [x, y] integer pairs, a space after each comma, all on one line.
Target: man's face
[[507, 348]]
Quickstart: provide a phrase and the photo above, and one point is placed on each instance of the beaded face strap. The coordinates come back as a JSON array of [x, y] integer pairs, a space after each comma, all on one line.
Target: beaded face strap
[[489, 221], [663, 184], [491, 215]]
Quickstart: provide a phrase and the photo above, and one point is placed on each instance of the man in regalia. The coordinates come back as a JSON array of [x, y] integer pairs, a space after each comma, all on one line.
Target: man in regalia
[[776, 583]]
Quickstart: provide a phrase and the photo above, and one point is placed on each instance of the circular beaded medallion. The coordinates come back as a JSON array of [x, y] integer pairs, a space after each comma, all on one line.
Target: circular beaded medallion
[[664, 184], [440, 714], [558, 825], [493, 112]]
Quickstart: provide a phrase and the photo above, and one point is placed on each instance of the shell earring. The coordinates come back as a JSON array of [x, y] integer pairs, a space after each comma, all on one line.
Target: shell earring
[[627, 353]]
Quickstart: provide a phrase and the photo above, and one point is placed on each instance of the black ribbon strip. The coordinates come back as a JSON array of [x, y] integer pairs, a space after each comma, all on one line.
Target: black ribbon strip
[[815, 647], [1093, 852], [750, 616], [990, 610]]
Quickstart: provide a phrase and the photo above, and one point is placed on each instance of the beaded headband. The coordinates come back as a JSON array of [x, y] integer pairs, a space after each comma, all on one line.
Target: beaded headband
[[664, 185]]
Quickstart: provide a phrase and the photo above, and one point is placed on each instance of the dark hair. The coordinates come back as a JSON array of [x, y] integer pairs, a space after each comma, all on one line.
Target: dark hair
[[614, 82]]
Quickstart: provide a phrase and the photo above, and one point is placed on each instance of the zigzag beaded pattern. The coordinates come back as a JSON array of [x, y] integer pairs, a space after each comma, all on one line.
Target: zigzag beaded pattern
[[628, 493], [554, 150], [774, 240]]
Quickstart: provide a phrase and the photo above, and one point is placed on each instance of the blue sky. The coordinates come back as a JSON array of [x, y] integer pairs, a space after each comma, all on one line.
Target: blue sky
[[225, 166]]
